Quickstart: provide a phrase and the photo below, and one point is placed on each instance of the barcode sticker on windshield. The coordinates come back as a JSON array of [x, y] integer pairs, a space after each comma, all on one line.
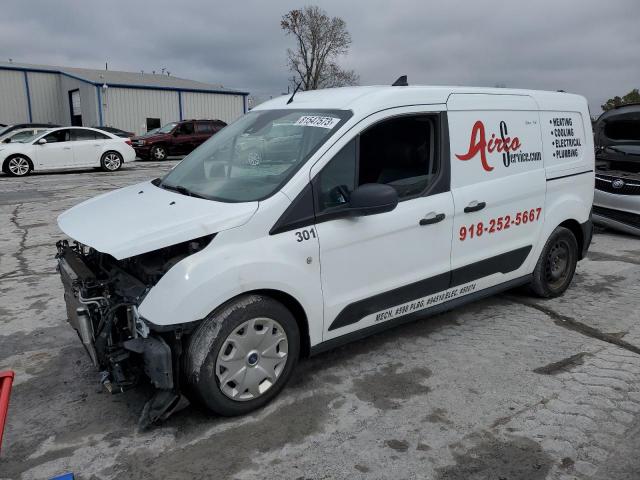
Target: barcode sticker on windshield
[[317, 121]]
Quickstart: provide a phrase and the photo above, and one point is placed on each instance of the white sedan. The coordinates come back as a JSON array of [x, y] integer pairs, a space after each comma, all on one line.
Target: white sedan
[[66, 147]]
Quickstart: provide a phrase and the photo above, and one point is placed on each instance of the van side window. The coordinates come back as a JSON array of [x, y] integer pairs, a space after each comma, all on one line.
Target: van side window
[[622, 130], [400, 152]]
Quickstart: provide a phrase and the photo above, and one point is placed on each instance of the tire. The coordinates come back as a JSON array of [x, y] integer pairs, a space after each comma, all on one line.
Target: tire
[[556, 265], [18, 166], [227, 362], [111, 161], [158, 152]]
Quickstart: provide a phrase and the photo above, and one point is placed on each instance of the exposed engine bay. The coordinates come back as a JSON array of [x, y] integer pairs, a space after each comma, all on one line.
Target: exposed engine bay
[[102, 295]]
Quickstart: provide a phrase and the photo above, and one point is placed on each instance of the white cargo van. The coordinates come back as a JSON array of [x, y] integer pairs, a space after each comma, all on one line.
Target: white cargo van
[[319, 219]]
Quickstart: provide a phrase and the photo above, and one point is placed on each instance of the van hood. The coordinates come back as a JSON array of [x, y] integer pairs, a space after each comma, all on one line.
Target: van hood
[[142, 218]]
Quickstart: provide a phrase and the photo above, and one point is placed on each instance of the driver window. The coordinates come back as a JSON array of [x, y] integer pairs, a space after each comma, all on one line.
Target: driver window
[[399, 152], [57, 136]]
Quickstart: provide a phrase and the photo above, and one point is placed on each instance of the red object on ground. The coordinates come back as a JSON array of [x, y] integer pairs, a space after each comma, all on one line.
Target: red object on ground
[[6, 380]]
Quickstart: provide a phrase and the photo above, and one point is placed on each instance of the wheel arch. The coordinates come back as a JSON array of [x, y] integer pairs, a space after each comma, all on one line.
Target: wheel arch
[[575, 228], [112, 150], [162, 144], [296, 309]]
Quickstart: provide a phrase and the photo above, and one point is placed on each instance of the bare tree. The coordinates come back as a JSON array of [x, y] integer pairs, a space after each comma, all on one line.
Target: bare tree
[[320, 41]]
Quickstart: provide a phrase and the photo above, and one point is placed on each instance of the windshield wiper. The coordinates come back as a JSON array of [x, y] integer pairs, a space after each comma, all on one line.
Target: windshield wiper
[[182, 190]]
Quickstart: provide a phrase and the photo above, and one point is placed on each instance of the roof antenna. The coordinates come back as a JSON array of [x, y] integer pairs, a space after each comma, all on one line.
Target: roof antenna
[[401, 82], [294, 92]]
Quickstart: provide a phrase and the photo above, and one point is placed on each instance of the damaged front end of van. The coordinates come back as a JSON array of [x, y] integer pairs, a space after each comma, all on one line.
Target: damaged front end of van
[[121, 246], [102, 296]]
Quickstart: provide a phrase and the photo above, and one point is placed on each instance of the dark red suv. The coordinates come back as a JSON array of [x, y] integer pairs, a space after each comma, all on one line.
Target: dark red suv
[[177, 138]]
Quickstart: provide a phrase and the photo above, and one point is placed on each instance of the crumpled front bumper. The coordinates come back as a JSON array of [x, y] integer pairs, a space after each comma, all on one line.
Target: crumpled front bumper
[[90, 305]]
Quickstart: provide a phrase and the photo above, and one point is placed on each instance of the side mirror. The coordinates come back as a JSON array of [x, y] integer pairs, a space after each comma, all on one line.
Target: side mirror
[[41, 141], [175, 133], [372, 198]]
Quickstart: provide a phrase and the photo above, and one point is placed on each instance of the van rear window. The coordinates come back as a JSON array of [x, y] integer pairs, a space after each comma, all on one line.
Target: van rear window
[[623, 130]]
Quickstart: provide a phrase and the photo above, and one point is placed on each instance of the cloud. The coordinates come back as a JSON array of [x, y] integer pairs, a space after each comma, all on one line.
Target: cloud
[[583, 46]]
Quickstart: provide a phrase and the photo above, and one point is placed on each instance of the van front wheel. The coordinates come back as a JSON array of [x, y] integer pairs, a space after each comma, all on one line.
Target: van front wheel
[[240, 358], [556, 265]]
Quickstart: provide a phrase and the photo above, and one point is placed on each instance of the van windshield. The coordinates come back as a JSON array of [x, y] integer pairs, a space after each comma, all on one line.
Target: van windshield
[[253, 157]]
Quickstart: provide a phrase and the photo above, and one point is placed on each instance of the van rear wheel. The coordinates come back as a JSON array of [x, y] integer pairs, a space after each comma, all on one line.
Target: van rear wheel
[[556, 265], [240, 358]]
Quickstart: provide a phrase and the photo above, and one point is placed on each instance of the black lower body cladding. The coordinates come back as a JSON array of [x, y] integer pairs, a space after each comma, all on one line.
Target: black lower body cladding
[[587, 235]]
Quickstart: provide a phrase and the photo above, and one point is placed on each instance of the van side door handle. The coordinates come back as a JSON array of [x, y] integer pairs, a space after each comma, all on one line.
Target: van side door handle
[[432, 218], [474, 207]]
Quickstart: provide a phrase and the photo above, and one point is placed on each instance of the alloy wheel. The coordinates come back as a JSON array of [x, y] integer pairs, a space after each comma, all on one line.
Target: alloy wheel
[[112, 161], [19, 166], [251, 359]]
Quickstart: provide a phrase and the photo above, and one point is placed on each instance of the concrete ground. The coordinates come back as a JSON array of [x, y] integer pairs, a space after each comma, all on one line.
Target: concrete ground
[[511, 387]]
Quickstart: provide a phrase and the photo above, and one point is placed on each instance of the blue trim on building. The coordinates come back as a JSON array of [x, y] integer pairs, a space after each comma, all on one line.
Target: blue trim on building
[[180, 104], [26, 86], [99, 95], [175, 89], [26, 69], [124, 85]]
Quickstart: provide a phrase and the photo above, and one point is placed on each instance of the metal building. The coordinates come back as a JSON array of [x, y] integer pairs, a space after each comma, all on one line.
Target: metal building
[[134, 102]]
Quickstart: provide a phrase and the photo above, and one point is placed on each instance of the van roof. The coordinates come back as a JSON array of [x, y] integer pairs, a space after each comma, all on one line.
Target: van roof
[[373, 98]]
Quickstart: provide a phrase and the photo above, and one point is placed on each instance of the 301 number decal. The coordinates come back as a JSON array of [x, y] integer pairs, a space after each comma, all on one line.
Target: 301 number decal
[[498, 224], [303, 235]]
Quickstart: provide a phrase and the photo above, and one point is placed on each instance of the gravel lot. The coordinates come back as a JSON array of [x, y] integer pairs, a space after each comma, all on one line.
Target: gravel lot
[[511, 387]]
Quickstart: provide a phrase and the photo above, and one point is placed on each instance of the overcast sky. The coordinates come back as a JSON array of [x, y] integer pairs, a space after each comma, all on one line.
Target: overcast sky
[[584, 46]]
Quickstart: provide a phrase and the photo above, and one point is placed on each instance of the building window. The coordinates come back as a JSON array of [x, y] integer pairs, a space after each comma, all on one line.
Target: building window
[[75, 109], [153, 123]]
